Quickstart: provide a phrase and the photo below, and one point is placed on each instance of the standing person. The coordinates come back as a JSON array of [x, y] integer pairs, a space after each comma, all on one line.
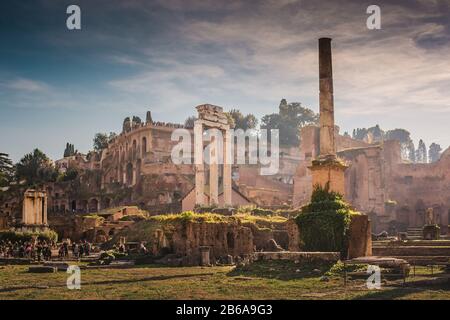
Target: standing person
[[87, 248], [74, 246], [66, 249], [80, 250], [39, 251]]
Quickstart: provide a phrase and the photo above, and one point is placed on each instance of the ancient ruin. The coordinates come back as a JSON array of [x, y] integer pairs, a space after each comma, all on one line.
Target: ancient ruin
[[34, 210], [327, 169], [212, 118]]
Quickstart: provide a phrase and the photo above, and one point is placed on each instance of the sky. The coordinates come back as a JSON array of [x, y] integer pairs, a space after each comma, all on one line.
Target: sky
[[167, 56]]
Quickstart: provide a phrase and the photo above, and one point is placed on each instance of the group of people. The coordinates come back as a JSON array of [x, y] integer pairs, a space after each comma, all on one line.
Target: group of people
[[80, 249], [36, 250], [41, 250]]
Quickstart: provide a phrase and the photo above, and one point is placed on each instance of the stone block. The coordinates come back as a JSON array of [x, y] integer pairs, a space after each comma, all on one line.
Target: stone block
[[42, 269]]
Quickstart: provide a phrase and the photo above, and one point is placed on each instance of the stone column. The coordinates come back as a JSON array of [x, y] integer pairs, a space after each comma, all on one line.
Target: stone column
[[25, 209], [44, 215], [199, 165], [133, 176], [213, 172], [327, 144], [205, 256], [228, 160]]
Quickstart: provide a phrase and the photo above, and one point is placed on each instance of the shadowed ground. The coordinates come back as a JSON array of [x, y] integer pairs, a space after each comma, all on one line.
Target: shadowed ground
[[260, 281]]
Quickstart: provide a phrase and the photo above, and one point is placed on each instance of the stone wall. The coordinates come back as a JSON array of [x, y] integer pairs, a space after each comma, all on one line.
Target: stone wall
[[394, 194]]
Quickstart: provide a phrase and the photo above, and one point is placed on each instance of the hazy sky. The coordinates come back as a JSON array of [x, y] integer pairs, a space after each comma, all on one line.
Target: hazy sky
[[167, 56]]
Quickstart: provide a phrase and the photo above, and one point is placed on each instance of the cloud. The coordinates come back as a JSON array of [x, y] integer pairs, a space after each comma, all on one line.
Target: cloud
[[27, 85]]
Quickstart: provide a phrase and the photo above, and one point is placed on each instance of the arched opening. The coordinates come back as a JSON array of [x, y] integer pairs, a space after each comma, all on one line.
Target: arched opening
[[144, 146], [134, 149], [84, 206], [106, 203], [129, 173], [93, 205], [74, 206], [100, 236], [138, 169]]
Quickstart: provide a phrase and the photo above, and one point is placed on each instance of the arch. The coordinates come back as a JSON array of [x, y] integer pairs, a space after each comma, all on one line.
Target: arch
[[134, 149], [100, 236], [106, 203], [138, 169], [73, 206], [93, 205], [144, 146], [129, 174], [84, 206]]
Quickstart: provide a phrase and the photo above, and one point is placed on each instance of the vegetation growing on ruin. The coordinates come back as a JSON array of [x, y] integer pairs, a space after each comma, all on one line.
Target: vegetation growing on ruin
[[94, 216], [191, 217], [324, 222], [256, 211], [14, 236]]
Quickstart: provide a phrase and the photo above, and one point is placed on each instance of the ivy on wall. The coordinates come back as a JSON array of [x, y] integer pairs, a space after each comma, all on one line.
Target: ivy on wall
[[324, 222]]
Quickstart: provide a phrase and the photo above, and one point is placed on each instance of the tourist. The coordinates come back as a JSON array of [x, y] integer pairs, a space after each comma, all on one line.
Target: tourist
[[143, 249], [80, 250], [75, 250]]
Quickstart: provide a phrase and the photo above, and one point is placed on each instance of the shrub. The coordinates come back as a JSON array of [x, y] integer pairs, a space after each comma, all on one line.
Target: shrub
[[14, 236], [324, 222]]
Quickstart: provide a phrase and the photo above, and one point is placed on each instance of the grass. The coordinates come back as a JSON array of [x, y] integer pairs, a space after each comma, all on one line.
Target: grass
[[268, 280]]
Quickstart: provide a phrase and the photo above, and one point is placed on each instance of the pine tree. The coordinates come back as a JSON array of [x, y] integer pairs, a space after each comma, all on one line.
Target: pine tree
[[434, 152]]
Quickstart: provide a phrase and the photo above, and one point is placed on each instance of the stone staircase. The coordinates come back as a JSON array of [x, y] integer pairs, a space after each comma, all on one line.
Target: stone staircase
[[417, 252], [414, 233]]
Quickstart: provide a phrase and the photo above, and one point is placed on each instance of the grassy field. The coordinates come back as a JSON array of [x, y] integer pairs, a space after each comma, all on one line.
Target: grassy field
[[260, 281]]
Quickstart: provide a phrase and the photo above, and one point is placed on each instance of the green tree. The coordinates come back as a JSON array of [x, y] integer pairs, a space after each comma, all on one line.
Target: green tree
[[36, 168], [69, 150], [6, 169], [189, 122], [421, 152], [289, 119], [101, 140], [240, 121], [434, 152], [406, 143]]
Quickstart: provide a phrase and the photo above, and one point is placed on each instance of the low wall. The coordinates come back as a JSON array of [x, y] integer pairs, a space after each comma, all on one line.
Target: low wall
[[301, 257]]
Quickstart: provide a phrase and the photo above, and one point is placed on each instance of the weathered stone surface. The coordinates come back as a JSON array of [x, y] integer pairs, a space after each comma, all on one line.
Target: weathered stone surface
[[359, 237], [60, 266], [300, 257], [42, 269]]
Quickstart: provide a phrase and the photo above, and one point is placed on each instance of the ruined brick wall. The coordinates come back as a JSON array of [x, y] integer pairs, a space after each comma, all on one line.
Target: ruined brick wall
[[394, 194]]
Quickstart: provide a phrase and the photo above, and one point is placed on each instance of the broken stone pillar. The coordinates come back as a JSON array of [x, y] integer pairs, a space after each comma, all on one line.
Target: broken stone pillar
[[327, 170], [205, 256], [199, 165], [34, 209], [327, 144]]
